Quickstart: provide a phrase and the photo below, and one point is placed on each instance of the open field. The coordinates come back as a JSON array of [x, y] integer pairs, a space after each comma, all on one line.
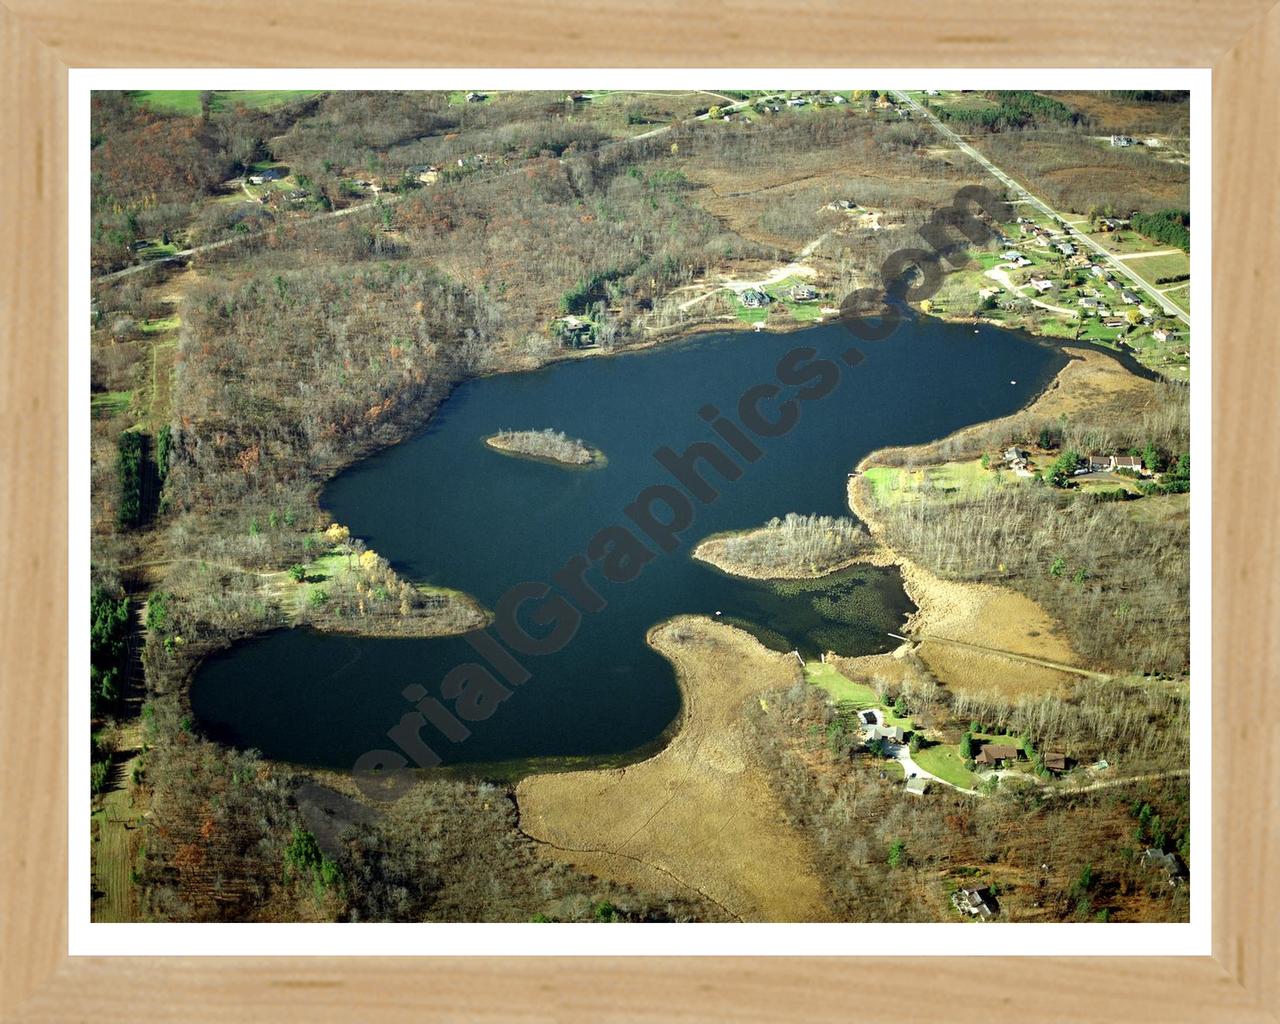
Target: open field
[[111, 403], [958, 481], [187, 101], [700, 811], [843, 690], [1152, 268]]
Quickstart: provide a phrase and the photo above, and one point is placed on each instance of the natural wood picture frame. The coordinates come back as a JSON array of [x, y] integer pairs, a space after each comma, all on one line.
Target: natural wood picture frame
[[41, 39]]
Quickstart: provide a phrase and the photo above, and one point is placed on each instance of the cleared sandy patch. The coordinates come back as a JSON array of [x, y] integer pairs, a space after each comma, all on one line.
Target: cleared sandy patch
[[700, 812]]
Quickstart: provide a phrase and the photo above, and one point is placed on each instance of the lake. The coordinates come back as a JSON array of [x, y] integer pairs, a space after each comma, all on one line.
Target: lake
[[446, 509]]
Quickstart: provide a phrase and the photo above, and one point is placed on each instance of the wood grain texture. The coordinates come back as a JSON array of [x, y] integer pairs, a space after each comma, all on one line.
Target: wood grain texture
[[38, 40], [664, 33], [33, 511], [1246, 534]]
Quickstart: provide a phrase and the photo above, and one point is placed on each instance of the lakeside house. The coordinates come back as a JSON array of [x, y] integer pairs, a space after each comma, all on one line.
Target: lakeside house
[[754, 298], [976, 902], [803, 293], [1016, 458], [996, 754], [575, 332]]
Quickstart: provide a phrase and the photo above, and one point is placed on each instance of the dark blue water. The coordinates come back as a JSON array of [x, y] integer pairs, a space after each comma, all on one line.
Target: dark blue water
[[447, 510]]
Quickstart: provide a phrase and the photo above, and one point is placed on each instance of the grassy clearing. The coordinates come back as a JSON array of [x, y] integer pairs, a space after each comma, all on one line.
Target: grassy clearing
[[1125, 243], [187, 101], [844, 690], [944, 761], [157, 250], [110, 403], [160, 325], [1154, 267], [1093, 329], [961, 481]]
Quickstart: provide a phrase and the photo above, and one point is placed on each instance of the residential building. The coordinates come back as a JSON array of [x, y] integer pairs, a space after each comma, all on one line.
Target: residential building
[[917, 786], [754, 298], [1055, 762], [996, 754], [976, 902]]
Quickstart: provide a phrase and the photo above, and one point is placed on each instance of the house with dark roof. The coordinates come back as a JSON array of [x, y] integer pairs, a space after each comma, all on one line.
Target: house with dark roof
[[1055, 762], [754, 298], [996, 755]]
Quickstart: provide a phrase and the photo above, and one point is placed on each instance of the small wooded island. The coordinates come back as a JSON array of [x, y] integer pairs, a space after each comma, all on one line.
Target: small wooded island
[[547, 445], [797, 547]]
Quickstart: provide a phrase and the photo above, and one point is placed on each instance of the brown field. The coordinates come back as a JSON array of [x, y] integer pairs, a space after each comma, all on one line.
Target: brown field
[[1128, 117], [701, 811], [1076, 172]]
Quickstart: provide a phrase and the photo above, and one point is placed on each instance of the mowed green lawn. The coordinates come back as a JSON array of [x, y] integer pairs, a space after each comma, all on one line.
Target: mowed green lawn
[[187, 101], [891, 486], [110, 403], [844, 690], [944, 761], [1151, 268]]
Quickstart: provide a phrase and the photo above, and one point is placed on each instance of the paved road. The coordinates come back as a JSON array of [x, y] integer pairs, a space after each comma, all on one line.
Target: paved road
[[388, 199], [1020, 194]]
